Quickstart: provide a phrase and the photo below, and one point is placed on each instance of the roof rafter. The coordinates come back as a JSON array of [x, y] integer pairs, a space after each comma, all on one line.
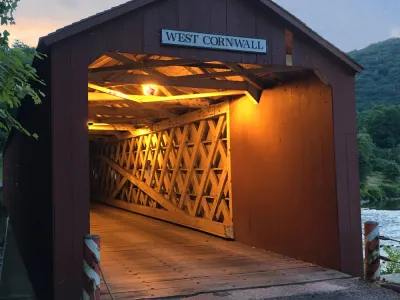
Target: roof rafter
[[173, 82], [134, 113], [117, 96], [246, 74], [123, 59], [150, 64], [122, 121]]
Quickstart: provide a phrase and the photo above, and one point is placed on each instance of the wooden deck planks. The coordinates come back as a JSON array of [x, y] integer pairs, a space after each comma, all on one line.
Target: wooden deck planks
[[146, 258]]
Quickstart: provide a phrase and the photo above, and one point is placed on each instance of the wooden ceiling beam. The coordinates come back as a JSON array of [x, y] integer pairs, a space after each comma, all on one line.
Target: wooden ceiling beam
[[126, 60], [112, 127], [254, 94], [134, 113], [149, 64], [148, 99], [249, 77], [94, 97], [209, 75], [124, 121], [183, 82]]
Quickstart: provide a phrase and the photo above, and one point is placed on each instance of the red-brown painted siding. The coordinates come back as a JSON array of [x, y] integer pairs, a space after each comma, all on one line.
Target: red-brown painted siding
[[346, 154], [283, 173]]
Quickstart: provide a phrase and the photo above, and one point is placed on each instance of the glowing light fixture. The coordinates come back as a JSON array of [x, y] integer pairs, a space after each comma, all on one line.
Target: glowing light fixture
[[150, 89], [143, 131]]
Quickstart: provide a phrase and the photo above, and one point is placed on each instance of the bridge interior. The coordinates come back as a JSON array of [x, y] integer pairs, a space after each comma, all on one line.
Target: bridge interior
[[160, 134], [160, 149]]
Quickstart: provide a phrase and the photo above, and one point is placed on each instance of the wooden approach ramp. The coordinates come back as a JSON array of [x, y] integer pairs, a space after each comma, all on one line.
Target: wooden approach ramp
[[146, 258]]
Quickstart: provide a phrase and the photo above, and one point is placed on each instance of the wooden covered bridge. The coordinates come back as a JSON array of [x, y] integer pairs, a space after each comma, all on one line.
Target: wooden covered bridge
[[232, 119]]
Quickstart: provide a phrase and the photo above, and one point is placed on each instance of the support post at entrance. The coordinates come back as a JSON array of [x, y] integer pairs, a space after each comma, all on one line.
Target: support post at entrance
[[91, 268], [372, 255]]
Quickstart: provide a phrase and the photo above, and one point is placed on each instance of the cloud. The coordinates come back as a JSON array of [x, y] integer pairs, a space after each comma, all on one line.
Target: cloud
[[395, 32], [38, 18], [69, 3], [29, 30]]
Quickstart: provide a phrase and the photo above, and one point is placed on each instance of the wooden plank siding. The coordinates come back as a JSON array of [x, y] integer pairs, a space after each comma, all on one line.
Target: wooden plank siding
[[65, 144], [283, 172], [342, 82]]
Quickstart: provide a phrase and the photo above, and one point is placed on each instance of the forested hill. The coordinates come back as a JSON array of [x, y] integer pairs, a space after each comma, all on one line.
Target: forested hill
[[379, 83]]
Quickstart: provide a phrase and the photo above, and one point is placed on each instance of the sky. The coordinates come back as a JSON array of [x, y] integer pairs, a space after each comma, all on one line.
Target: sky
[[348, 24]]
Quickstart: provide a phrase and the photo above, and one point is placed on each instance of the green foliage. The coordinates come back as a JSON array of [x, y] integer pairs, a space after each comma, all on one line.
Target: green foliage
[[391, 171], [382, 123], [378, 164], [390, 190], [372, 194], [391, 267], [380, 81], [365, 146], [16, 73], [7, 7]]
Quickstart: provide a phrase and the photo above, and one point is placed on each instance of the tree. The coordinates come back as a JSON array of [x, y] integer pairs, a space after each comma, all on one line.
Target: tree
[[382, 123], [16, 74], [380, 81], [365, 149], [391, 171]]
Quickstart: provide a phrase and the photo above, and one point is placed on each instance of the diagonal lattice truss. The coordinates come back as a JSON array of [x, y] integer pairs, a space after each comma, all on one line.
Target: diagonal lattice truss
[[180, 174]]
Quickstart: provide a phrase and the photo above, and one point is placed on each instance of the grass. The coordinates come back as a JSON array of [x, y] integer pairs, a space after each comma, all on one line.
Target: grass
[[381, 193], [375, 180]]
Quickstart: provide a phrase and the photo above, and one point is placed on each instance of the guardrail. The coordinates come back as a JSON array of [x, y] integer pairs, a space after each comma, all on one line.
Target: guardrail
[[373, 257]]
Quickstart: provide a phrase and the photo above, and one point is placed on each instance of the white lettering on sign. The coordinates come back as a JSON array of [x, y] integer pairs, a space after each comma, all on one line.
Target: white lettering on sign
[[213, 41]]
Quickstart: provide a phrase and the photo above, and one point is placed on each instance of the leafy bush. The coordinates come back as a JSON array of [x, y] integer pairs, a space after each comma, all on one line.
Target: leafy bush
[[390, 190], [379, 164], [372, 194], [391, 171], [391, 267]]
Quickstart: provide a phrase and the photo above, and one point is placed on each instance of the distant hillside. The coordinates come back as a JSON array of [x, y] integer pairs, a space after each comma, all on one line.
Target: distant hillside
[[379, 83]]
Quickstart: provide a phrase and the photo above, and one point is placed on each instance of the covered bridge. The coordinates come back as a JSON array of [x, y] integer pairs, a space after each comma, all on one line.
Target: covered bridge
[[230, 118]]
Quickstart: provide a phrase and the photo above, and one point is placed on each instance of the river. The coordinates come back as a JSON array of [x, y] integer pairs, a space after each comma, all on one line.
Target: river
[[389, 223]]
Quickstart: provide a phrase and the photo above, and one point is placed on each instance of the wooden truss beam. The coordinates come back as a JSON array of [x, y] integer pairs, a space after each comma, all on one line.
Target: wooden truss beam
[[190, 185], [149, 71], [92, 97], [113, 127], [174, 82], [151, 64], [134, 113], [210, 75], [144, 187], [122, 121], [111, 95], [247, 75], [197, 115]]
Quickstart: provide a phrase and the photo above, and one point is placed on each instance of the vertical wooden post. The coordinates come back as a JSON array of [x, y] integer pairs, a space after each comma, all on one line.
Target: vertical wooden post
[[372, 254], [91, 268]]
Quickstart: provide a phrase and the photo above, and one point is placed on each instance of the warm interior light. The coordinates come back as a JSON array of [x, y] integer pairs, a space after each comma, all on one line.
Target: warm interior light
[[150, 89], [142, 131]]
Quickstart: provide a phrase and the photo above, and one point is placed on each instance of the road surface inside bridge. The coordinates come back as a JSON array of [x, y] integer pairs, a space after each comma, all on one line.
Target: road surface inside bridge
[[147, 258]]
